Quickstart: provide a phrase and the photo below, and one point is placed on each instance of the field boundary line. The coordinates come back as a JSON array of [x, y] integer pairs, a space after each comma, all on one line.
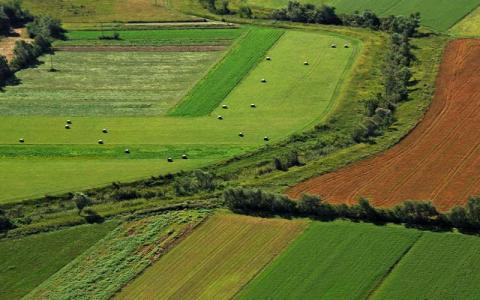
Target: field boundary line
[[390, 270]]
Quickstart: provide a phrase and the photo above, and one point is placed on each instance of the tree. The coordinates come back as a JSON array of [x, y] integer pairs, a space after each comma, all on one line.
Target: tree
[[5, 25], [245, 12], [5, 72], [308, 204], [23, 55], [46, 26], [473, 211], [81, 201], [224, 9]]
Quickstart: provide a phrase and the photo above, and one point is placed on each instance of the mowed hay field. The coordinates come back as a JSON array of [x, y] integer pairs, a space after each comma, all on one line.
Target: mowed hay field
[[437, 14], [27, 262], [338, 260], [216, 260], [439, 266], [54, 159], [439, 161], [93, 11]]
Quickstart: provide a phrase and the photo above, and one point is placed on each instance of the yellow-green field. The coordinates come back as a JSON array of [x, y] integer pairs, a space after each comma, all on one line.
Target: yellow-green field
[[216, 261], [470, 26]]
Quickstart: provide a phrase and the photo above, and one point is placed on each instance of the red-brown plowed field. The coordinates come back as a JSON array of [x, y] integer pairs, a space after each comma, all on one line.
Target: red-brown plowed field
[[439, 161]]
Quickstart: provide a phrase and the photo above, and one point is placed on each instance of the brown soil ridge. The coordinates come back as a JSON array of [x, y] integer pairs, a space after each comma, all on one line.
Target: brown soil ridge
[[439, 161], [169, 48]]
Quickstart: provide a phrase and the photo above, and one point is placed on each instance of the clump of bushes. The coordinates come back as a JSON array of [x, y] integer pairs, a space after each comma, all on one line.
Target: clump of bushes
[[12, 15], [115, 36], [411, 213], [5, 222], [47, 27]]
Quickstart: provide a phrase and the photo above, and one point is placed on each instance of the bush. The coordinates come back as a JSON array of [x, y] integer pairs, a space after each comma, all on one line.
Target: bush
[[114, 36], [47, 27], [24, 55], [245, 12], [5, 223], [92, 217], [81, 201], [224, 9], [126, 193]]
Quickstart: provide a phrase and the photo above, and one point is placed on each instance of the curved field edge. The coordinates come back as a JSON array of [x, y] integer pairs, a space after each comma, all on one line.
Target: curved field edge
[[216, 260], [123, 254], [29, 261], [209, 92], [469, 26]]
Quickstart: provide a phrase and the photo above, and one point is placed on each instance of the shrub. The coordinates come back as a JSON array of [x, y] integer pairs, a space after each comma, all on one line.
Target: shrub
[[81, 201], [126, 193], [5, 223], [5, 72], [245, 12], [46, 26], [24, 55], [224, 9], [92, 216]]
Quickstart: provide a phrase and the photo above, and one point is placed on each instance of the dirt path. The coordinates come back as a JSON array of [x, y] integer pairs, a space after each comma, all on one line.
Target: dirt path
[[7, 44], [439, 161], [170, 48]]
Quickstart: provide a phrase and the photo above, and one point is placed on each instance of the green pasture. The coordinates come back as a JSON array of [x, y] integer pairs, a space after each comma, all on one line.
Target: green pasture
[[153, 37], [337, 260], [439, 266], [105, 83], [437, 14], [295, 97], [27, 262]]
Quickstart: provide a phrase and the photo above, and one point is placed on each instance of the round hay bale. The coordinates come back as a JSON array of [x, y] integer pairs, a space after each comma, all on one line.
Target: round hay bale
[[253, 105], [127, 151], [100, 142], [268, 58], [333, 45], [266, 139], [105, 130], [241, 134], [305, 63], [69, 122], [184, 156], [264, 80], [170, 160], [220, 117], [21, 140], [225, 106], [346, 46], [67, 126]]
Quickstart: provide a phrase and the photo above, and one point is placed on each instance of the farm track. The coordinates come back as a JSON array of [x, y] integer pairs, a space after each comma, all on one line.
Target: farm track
[[170, 48], [439, 161]]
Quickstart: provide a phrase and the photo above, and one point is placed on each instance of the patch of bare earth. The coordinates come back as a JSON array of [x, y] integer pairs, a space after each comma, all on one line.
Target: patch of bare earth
[[7, 44]]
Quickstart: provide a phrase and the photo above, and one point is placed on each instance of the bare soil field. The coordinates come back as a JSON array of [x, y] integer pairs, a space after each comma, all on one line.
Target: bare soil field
[[439, 161], [8, 44]]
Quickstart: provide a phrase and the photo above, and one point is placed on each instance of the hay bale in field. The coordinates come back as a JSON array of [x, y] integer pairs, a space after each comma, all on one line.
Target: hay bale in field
[[253, 105], [105, 130], [268, 58], [241, 134], [225, 106], [69, 122], [333, 45], [220, 117], [21, 140], [67, 126], [266, 139], [346, 46], [100, 142], [264, 80], [170, 160], [305, 63], [184, 156], [127, 151]]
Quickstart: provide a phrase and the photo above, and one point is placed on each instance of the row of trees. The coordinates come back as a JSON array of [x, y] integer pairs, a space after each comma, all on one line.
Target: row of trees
[[411, 213], [324, 14], [396, 76], [12, 15]]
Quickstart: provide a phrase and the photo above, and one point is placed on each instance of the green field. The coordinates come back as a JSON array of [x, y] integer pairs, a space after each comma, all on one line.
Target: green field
[[470, 26], [437, 14], [153, 37], [104, 268], [338, 260], [92, 11], [216, 260], [106, 84], [27, 262], [439, 266], [74, 163]]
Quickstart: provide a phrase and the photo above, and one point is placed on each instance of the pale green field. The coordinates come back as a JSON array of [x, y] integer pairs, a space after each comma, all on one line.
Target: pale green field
[[470, 26], [295, 97]]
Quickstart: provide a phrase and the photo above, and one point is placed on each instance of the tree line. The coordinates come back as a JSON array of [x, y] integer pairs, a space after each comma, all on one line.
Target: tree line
[[411, 213], [42, 29], [324, 14]]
